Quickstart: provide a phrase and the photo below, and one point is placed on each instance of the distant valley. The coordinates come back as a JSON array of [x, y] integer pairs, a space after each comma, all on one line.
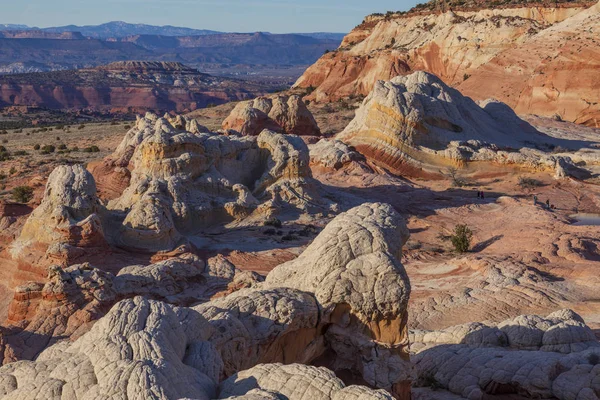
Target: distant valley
[[26, 49], [124, 87]]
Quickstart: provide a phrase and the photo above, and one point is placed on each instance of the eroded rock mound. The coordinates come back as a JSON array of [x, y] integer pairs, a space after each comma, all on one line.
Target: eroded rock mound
[[294, 381], [67, 221], [563, 331], [333, 154], [150, 349], [283, 114], [181, 181], [73, 298], [530, 356], [417, 122]]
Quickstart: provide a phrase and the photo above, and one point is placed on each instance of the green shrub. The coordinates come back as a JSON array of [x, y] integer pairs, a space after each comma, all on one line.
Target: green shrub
[[62, 146], [274, 222], [91, 149], [36, 146], [80, 127], [20, 153], [47, 149], [22, 194], [528, 183], [461, 239]]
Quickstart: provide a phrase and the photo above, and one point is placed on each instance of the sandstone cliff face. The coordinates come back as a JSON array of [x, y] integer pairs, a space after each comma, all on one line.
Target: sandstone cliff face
[[150, 349], [553, 73], [456, 45], [279, 113], [416, 122]]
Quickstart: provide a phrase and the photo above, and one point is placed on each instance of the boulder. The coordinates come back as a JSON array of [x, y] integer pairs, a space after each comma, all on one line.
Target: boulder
[[283, 114]]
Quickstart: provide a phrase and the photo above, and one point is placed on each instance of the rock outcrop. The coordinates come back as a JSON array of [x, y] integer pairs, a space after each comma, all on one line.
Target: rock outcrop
[[74, 298], [530, 356], [274, 381], [333, 154], [181, 181], [67, 220], [414, 122], [283, 114], [553, 73], [343, 302], [519, 54]]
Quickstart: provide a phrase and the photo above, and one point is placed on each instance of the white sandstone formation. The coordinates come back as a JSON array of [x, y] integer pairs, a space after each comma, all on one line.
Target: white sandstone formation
[[333, 154], [67, 220], [417, 121], [283, 114], [291, 381], [534, 357], [75, 297], [183, 181], [343, 301]]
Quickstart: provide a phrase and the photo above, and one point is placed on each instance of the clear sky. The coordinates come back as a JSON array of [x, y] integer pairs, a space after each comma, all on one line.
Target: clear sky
[[275, 16]]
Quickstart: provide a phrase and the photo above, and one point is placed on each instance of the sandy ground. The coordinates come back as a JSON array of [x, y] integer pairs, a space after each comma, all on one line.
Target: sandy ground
[[33, 168]]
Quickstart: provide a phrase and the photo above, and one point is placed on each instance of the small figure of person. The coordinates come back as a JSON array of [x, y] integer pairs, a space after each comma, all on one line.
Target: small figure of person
[[482, 195], [478, 194], [548, 204], [535, 200]]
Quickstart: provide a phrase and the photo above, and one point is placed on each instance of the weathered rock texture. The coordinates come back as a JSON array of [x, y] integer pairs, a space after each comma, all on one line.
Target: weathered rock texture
[[66, 222], [284, 114], [554, 73], [182, 181], [333, 154], [342, 302], [293, 381], [530, 356], [75, 297], [522, 54], [417, 120]]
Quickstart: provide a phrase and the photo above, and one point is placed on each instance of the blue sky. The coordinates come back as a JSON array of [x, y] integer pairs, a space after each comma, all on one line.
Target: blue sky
[[223, 15]]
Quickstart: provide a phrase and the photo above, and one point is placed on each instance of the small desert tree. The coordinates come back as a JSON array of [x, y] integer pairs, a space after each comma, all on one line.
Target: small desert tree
[[22, 194], [455, 177], [461, 239]]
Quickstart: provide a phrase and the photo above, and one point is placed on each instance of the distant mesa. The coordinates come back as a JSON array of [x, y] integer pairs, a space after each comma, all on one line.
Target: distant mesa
[[124, 87]]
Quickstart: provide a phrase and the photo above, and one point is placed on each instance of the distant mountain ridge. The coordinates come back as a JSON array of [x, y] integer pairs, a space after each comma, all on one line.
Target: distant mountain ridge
[[124, 86], [120, 29]]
